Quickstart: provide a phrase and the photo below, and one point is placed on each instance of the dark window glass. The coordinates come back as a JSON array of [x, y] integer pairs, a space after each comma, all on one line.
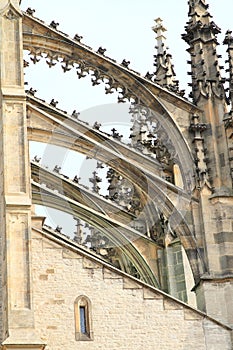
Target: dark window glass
[[83, 326]]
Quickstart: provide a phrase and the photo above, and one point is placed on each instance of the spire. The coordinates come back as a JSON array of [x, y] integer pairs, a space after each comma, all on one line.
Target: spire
[[165, 74], [229, 41], [78, 235], [201, 36]]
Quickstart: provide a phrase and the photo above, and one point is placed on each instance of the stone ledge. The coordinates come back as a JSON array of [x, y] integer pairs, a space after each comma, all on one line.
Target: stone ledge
[[171, 305], [89, 264], [151, 295], [191, 315], [23, 338], [108, 274]]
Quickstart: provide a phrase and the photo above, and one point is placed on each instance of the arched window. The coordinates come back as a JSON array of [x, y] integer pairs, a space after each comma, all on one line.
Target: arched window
[[83, 319]]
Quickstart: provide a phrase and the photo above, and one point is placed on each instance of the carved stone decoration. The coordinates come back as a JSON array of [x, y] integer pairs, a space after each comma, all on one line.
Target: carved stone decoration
[[30, 11], [197, 128], [201, 36], [150, 137], [11, 15], [164, 74], [84, 68], [123, 192]]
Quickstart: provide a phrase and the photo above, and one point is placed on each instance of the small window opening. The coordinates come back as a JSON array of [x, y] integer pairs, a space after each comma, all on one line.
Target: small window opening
[[83, 318]]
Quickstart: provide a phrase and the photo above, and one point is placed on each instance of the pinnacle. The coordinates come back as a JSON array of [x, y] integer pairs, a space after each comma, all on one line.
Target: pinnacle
[[165, 74], [201, 36]]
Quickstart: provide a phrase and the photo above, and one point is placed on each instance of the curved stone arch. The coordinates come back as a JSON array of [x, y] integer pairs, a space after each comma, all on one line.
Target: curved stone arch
[[188, 240], [124, 244], [169, 209], [131, 85]]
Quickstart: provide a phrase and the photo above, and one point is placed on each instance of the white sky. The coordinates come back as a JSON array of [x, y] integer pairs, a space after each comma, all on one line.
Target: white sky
[[123, 27]]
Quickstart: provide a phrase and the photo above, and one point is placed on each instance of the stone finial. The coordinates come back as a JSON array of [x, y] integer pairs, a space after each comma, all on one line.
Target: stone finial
[[101, 51], [229, 42], [96, 125], [57, 169], [30, 11], [159, 29], [78, 37], [54, 25], [125, 63], [75, 114], [201, 36], [78, 234], [32, 91], [95, 180], [164, 74], [58, 229], [53, 103], [36, 159]]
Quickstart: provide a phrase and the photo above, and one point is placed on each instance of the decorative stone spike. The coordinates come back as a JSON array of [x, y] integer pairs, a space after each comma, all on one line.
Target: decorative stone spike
[[125, 63], [78, 234], [165, 74], [229, 42], [95, 180], [58, 229], [201, 37], [30, 11], [100, 165], [36, 159], [32, 91], [54, 25], [96, 125], [149, 76], [57, 169], [101, 51], [78, 37], [75, 114], [53, 103], [25, 64], [76, 179], [116, 135]]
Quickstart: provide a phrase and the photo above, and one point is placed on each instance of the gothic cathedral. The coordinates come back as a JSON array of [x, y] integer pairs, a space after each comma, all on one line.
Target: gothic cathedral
[[150, 265]]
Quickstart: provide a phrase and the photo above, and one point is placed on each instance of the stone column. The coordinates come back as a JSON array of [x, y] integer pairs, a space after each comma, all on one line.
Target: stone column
[[15, 214]]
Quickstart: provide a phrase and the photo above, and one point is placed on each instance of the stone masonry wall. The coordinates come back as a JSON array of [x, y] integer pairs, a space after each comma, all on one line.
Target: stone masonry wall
[[126, 314]]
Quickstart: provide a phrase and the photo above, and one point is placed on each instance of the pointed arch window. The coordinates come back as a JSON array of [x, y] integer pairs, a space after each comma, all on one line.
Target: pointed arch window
[[83, 318]]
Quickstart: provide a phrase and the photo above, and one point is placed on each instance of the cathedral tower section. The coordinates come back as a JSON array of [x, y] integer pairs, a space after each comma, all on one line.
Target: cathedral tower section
[[215, 195], [201, 37], [208, 92]]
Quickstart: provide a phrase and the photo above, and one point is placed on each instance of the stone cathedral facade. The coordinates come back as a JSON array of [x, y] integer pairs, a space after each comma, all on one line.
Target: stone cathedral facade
[[150, 265]]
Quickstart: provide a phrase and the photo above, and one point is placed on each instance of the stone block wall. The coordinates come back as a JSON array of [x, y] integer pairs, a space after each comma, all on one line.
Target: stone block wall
[[125, 313]]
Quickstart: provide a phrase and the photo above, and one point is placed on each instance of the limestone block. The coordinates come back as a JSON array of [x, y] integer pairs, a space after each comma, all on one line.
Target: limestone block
[[69, 254], [130, 284], [171, 305], [191, 315], [109, 274], [149, 294], [89, 264]]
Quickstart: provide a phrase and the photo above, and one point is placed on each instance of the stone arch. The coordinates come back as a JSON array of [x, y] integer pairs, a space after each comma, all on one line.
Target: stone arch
[[130, 86], [127, 83]]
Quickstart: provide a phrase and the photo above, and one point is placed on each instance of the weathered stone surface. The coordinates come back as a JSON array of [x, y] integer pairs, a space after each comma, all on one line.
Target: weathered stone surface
[[116, 311]]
